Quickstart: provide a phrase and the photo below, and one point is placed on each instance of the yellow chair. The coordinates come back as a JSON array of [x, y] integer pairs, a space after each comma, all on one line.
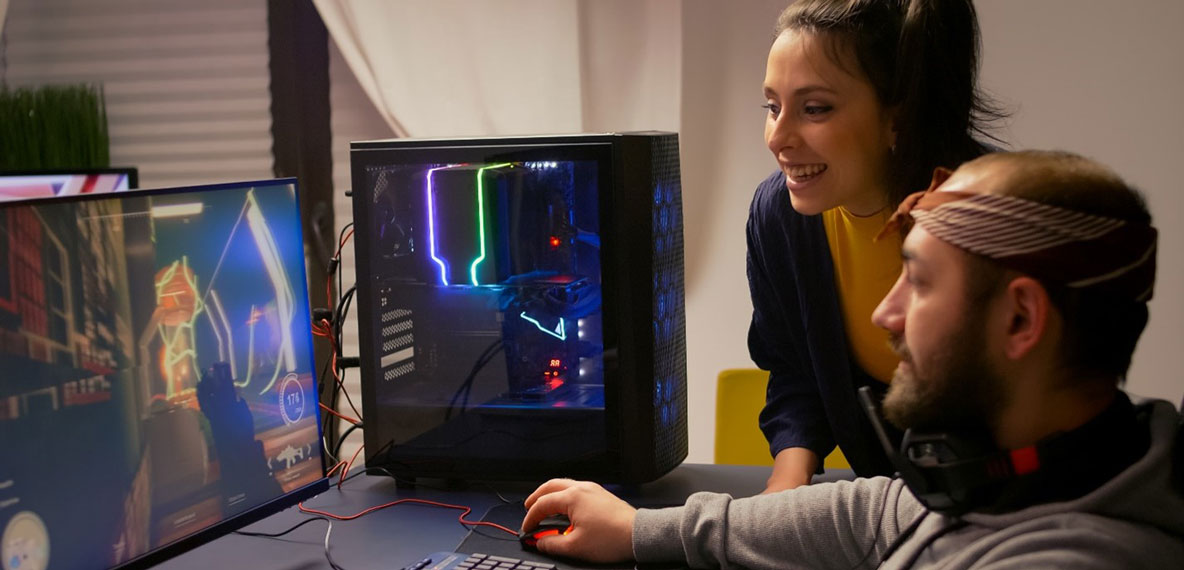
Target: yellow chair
[[739, 397]]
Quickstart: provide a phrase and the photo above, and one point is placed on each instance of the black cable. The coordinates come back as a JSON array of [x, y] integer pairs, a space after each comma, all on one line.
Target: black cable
[[341, 440], [500, 497], [501, 535], [337, 255], [466, 386], [473, 376], [342, 309], [283, 532], [397, 479], [328, 531], [908, 531], [929, 540]]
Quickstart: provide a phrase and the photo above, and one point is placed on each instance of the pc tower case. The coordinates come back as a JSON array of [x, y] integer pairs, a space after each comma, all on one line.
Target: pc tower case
[[520, 306]]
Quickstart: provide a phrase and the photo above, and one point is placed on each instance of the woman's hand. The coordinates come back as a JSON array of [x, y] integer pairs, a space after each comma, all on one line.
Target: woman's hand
[[602, 524], [793, 467]]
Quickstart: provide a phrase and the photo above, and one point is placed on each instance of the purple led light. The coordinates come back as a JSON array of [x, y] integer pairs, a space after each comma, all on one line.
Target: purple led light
[[432, 226]]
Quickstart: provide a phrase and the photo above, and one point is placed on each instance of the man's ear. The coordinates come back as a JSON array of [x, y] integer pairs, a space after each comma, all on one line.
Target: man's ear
[[1028, 320]]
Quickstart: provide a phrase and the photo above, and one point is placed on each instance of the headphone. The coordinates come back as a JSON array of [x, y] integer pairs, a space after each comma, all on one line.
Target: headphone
[[951, 474]]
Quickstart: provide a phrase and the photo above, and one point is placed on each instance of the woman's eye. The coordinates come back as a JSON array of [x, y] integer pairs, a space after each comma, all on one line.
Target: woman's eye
[[774, 109], [815, 110]]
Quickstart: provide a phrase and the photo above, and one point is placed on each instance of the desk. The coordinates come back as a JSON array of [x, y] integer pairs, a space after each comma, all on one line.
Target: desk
[[397, 536]]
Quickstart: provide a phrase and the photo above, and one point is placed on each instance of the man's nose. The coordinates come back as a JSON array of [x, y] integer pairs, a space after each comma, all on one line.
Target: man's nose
[[889, 314]]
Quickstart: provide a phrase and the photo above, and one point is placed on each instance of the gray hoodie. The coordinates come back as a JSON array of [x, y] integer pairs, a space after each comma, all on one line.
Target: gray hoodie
[[1136, 520]]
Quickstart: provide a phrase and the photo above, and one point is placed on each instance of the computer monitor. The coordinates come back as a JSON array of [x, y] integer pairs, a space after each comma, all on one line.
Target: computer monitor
[[156, 371], [520, 306], [26, 184]]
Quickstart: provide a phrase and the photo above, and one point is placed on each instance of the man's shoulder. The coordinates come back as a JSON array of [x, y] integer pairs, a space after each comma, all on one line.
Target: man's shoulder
[[1080, 540]]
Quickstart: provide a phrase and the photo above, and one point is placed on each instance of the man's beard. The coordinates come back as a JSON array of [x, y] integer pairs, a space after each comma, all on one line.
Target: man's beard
[[960, 390]]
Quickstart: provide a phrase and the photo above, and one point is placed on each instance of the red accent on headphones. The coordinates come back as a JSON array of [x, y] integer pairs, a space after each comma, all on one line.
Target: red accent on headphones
[[1025, 460]]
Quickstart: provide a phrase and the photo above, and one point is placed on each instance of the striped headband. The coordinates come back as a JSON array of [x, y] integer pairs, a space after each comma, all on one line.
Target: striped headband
[[1058, 245]]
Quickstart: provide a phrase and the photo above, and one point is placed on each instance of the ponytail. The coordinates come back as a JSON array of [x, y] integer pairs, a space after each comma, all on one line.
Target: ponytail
[[921, 57]]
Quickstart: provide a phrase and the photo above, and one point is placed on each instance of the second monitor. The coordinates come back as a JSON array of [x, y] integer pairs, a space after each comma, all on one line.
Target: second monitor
[[521, 306]]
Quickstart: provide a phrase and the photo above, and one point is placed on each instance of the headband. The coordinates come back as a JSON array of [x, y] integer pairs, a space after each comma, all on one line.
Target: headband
[[1057, 245]]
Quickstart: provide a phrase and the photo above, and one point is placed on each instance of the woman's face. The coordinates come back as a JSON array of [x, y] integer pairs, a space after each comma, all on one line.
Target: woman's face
[[827, 129]]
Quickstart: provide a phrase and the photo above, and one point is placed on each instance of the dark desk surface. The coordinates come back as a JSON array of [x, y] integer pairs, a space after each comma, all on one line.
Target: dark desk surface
[[397, 536]]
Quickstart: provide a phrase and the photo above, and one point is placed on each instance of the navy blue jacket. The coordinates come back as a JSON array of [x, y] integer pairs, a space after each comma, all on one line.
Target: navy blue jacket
[[797, 334]]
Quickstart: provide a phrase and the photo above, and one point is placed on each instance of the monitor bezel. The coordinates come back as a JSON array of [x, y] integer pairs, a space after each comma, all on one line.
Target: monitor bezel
[[132, 173]]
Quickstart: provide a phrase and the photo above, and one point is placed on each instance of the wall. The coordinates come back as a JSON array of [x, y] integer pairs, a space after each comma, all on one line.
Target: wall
[[1104, 79], [723, 159]]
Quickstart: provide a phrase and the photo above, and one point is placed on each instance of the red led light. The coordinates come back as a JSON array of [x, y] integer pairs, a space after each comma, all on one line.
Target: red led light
[[554, 241], [555, 363]]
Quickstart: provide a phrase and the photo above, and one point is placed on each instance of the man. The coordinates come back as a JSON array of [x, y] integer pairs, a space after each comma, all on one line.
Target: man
[[1024, 290]]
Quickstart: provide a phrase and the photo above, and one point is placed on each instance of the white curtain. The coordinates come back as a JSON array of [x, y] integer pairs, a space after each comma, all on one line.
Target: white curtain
[[461, 68], [3, 12]]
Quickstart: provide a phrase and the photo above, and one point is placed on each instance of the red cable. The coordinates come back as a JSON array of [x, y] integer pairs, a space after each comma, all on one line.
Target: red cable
[[349, 466], [324, 330], [460, 518], [344, 417]]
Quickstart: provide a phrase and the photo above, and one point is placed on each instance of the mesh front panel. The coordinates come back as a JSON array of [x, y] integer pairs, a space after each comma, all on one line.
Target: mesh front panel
[[670, 365]]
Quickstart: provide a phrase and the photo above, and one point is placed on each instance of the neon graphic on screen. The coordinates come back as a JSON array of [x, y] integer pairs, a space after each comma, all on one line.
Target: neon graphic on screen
[[179, 305], [279, 281]]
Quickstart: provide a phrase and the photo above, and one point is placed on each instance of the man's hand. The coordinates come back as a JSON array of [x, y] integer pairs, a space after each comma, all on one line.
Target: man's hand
[[793, 467], [602, 524]]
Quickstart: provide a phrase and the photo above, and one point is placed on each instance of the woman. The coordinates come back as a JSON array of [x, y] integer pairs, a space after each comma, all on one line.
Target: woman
[[865, 98]]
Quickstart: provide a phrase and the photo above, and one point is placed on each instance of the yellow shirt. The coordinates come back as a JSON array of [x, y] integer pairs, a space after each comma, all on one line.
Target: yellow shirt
[[864, 273]]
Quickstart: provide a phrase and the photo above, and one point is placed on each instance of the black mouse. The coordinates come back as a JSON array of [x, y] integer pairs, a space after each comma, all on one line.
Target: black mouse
[[551, 526]]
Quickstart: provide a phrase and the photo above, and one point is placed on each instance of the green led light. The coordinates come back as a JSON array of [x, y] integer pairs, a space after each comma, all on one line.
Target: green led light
[[481, 217]]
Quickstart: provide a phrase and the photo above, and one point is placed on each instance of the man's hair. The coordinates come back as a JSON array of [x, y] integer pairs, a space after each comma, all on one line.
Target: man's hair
[[1100, 332]]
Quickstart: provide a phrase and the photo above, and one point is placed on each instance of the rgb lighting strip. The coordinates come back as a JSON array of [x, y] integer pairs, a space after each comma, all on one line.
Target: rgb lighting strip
[[432, 224], [481, 217], [444, 266]]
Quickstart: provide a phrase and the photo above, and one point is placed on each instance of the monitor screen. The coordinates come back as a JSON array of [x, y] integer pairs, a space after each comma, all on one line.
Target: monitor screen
[[21, 185], [157, 384]]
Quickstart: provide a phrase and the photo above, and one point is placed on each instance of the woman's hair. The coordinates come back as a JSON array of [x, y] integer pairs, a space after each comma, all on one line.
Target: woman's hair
[[921, 57]]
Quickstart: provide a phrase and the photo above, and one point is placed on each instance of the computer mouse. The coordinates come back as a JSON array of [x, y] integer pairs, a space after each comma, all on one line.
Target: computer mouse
[[553, 525]]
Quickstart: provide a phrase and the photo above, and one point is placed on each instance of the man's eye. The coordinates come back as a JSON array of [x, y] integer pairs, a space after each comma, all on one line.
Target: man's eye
[[773, 108]]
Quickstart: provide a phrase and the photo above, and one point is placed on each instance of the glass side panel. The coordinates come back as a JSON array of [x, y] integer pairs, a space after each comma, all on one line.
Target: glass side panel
[[485, 307]]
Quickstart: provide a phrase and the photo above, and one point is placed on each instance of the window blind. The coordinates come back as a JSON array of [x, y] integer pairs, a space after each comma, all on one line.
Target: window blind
[[185, 83]]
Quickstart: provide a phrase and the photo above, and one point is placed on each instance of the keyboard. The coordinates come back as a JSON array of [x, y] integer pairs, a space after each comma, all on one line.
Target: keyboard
[[458, 561]]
